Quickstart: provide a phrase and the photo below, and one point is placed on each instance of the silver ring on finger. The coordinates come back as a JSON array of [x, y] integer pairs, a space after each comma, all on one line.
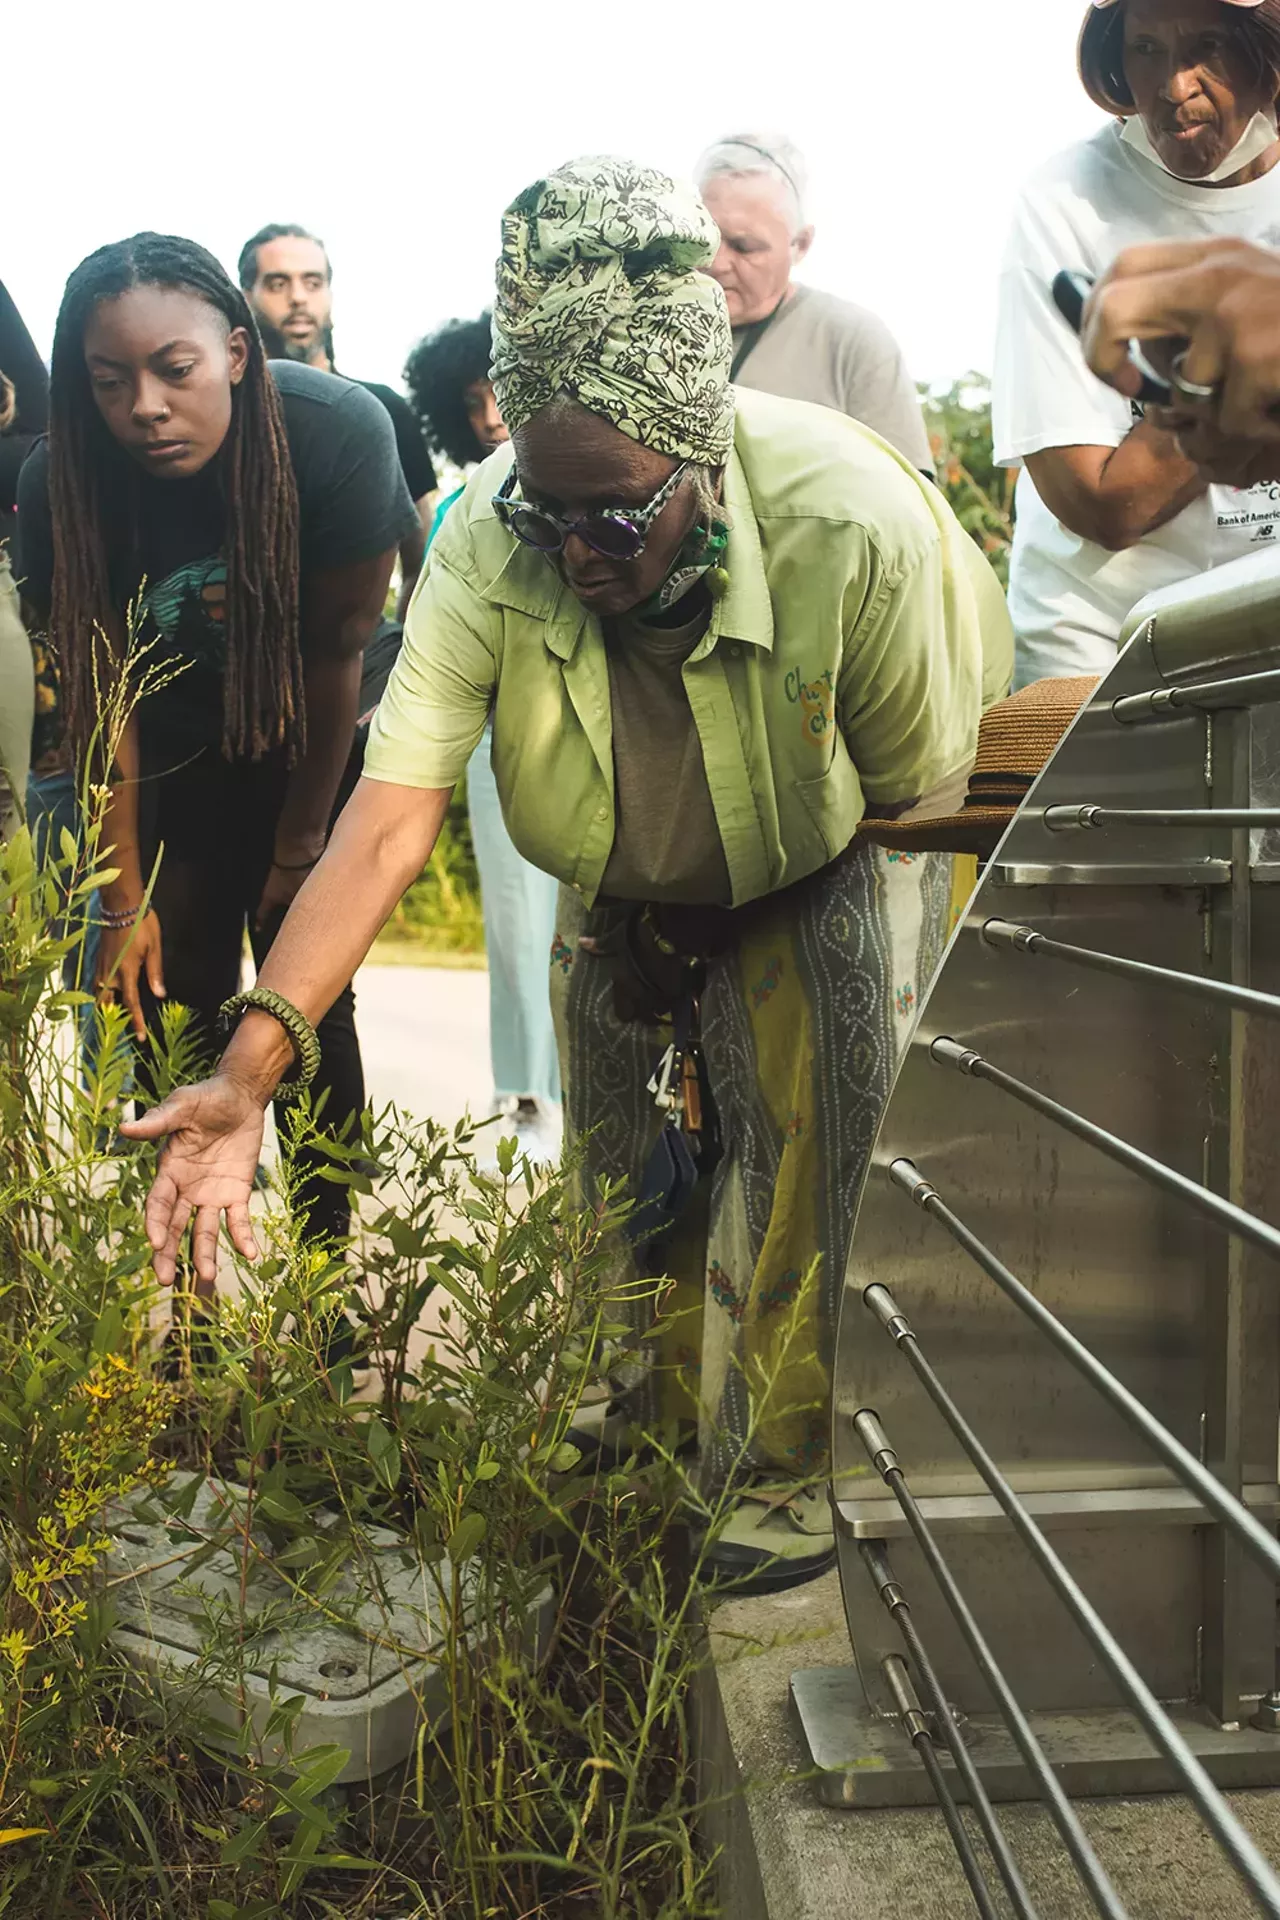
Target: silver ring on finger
[[1191, 390]]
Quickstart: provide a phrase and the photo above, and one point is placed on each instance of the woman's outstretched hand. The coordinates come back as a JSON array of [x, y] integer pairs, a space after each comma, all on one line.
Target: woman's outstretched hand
[[207, 1168]]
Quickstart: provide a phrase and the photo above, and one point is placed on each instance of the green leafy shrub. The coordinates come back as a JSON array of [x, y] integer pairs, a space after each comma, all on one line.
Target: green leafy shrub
[[980, 493], [556, 1778]]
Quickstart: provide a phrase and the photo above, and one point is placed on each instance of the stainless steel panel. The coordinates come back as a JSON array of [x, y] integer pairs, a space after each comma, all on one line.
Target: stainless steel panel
[[1117, 1507], [863, 1762], [1184, 1314], [1093, 1241], [1224, 621]]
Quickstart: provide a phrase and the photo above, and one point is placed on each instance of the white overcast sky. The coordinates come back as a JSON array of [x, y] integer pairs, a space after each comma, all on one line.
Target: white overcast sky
[[399, 131]]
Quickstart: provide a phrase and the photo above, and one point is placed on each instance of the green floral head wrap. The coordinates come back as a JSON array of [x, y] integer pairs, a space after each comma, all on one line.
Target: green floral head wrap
[[599, 298]]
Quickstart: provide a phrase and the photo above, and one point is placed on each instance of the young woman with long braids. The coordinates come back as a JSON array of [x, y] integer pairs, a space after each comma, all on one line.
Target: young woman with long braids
[[253, 511]]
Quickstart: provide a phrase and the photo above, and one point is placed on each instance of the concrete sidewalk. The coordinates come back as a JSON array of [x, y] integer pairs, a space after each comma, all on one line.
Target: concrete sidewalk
[[787, 1857], [424, 1035]]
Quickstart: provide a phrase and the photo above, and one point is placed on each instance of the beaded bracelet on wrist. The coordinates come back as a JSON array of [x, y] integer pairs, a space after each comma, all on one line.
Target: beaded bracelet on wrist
[[122, 917], [302, 1035]]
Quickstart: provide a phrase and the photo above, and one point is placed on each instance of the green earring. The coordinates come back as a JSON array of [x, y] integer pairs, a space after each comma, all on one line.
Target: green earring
[[716, 578]]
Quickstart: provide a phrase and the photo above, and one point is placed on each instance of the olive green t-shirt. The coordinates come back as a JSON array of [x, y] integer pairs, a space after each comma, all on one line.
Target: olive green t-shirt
[[666, 844]]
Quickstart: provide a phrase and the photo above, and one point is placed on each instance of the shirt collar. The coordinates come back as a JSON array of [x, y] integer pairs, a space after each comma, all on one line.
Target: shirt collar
[[529, 584], [745, 610]]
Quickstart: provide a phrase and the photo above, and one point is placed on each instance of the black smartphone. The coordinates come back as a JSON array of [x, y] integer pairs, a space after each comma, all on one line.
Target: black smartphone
[[1070, 292]]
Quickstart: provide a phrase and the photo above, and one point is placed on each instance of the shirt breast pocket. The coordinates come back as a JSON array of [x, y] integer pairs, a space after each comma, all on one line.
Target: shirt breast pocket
[[833, 802]]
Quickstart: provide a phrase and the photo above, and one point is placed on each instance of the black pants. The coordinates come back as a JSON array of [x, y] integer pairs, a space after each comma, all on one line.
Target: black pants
[[214, 822]]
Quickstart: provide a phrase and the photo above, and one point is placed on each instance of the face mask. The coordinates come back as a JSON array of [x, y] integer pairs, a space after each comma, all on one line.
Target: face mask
[[700, 558], [1258, 136]]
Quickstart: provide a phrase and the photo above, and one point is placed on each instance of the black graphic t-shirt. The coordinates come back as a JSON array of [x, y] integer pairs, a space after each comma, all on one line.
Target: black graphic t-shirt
[[166, 541]]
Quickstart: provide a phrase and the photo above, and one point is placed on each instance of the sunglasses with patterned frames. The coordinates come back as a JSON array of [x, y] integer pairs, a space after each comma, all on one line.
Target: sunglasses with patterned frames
[[619, 533]]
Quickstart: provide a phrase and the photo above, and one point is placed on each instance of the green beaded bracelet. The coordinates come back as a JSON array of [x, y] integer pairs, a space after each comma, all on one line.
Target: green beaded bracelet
[[306, 1042]]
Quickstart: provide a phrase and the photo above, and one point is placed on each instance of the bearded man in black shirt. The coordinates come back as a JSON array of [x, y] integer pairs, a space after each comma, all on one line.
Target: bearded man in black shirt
[[288, 281]]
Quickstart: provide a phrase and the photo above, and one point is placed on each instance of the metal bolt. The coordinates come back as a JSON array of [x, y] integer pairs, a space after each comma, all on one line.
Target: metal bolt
[[876, 1441], [914, 1720], [949, 1053], [1267, 1718], [879, 1301]]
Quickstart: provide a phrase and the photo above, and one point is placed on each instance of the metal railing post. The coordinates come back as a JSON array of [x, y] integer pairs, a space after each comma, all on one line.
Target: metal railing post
[[1227, 1579]]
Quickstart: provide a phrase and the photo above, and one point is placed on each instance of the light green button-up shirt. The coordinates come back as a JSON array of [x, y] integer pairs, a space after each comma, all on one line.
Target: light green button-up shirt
[[860, 639]]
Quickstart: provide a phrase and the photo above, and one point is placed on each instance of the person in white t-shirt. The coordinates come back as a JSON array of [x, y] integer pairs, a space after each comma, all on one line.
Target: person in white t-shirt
[[1109, 507]]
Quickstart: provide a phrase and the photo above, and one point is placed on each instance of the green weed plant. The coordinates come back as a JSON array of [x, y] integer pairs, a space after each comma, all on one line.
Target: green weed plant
[[551, 1770]]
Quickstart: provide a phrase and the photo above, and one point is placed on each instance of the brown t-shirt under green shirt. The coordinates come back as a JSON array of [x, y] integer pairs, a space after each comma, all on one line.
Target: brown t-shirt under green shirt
[[666, 842]]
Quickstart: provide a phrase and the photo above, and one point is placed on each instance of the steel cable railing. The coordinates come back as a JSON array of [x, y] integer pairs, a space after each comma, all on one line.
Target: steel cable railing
[[1248, 1861], [920, 1734], [1067, 818], [1210, 696], [894, 1601], [1192, 1473], [1009, 936], [1064, 1816], [947, 1052], [1211, 1638]]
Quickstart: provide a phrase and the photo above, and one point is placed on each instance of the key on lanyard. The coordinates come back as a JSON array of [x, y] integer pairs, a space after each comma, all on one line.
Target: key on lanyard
[[666, 1086]]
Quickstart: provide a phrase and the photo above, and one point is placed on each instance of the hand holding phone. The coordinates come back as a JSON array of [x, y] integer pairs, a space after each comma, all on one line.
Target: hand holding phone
[[1071, 291]]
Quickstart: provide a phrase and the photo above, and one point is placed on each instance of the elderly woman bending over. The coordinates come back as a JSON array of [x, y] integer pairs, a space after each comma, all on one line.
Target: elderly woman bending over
[[713, 631]]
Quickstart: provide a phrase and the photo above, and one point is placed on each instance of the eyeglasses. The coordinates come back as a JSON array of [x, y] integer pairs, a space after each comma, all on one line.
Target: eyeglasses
[[619, 533]]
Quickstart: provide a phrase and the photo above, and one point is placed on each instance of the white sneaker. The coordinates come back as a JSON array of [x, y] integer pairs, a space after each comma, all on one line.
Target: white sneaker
[[550, 1127], [536, 1127]]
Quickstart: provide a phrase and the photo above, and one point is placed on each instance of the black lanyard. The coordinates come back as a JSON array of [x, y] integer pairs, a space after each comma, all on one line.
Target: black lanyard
[[750, 337]]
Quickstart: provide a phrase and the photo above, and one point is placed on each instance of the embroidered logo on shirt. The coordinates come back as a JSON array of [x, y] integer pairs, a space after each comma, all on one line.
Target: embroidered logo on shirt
[[817, 702]]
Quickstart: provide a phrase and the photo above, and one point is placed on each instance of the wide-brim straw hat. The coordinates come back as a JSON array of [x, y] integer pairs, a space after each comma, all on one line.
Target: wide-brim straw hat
[[1017, 738]]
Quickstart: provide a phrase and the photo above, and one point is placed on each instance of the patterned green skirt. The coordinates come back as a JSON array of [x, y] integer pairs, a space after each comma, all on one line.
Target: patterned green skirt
[[802, 1025]]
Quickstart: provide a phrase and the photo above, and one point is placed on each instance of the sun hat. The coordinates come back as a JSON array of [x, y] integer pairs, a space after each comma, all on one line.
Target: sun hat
[[1097, 61], [1017, 738]]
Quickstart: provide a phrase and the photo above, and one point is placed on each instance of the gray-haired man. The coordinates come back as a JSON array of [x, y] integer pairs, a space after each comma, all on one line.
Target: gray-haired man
[[790, 339]]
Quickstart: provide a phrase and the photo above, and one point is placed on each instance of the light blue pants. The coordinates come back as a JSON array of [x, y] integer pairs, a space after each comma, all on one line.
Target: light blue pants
[[53, 806], [17, 703], [519, 926]]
